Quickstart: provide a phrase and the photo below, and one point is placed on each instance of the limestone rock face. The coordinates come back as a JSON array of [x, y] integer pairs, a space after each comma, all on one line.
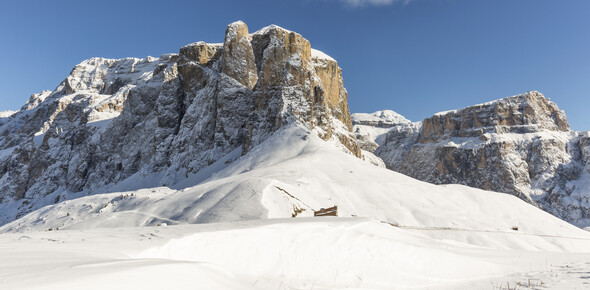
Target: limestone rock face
[[585, 148], [201, 52], [113, 121], [238, 57], [520, 145], [293, 85], [524, 113]]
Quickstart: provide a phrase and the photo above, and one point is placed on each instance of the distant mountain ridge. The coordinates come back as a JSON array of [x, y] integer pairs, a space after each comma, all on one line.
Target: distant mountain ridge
[[521, 145]]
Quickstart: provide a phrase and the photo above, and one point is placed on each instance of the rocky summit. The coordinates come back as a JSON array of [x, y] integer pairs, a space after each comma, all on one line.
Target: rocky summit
[[166, 117], [520, 145]]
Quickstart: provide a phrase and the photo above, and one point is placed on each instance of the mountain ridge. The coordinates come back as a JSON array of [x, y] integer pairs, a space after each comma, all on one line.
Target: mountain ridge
[[520, 145]]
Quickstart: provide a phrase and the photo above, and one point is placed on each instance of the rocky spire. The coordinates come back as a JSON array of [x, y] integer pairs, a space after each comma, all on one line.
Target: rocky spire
[[238, 56]]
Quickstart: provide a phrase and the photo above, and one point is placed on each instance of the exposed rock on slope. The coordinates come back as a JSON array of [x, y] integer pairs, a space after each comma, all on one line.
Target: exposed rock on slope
[[520, 145], [168, 117]]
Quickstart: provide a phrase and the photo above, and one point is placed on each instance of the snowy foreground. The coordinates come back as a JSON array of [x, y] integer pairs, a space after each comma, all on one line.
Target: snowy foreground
[[393, 232], [326, 253]]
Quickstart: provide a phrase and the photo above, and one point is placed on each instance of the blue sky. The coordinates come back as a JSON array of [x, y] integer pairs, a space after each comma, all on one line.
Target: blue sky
[[416, 57]]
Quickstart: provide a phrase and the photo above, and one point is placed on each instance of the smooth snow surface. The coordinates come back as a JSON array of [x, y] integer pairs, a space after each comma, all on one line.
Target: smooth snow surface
[[309, 253], [392, 231]]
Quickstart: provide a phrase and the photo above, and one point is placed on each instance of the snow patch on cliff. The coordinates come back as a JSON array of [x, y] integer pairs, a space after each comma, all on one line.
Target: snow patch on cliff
[[320, 55], [6, 114]]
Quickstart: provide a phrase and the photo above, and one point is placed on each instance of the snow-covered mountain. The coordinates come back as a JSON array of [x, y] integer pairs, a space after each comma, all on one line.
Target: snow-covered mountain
[[292, 174], [392, 231], [520, 145], [206, 169], [164, 119], [370, 129]]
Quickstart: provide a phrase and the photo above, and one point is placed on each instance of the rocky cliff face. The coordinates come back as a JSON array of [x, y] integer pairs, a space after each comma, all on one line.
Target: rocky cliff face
[[167, 117], [520, 145]]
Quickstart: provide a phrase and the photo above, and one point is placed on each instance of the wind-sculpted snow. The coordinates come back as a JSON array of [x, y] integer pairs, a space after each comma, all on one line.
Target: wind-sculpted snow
[[520, 145], [166, 117]]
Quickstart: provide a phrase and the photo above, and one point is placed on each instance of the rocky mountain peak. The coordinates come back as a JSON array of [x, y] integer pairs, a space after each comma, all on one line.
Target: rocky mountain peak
[[238, 56], [202, 53], [167, 117], [371, 129], [524, 113], [293, 84], [383, 119], [36, 99], [520, 145]]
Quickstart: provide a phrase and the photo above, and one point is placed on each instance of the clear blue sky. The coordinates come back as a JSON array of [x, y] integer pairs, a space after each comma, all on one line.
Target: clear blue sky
[[416, 57]]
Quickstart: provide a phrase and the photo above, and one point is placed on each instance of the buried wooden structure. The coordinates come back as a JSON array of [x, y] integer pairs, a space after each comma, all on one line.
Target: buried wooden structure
[[331, 211]]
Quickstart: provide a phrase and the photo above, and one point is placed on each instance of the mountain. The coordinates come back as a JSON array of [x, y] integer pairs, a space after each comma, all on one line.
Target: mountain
[[166, 117], [247, 222], [208, 169], [520, 145]]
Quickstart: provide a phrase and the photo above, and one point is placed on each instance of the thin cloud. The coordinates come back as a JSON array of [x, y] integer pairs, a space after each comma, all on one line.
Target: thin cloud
[[361, 3]]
